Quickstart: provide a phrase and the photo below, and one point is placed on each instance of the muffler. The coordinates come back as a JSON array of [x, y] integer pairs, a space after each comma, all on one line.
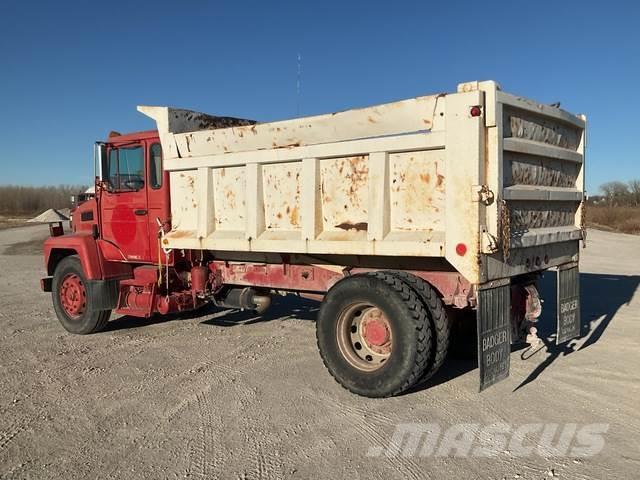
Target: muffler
[[245, 299]]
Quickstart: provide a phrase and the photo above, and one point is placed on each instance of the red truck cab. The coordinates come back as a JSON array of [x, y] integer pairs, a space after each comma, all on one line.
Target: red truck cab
[[133, 196], [114, 234]]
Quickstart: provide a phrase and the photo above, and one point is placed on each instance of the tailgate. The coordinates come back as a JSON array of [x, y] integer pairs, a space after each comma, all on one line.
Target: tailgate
[[535, 164]]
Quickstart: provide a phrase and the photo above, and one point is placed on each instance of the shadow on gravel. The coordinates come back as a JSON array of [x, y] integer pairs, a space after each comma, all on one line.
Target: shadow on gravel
[[601, 297], [281, 308], [127, 322], [290, 306]]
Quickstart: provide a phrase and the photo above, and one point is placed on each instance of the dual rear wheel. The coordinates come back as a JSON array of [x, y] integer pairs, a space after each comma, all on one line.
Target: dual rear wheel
[[380, 333]]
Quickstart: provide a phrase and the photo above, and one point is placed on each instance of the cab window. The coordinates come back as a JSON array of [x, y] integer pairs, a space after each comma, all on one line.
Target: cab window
[[155, 166], [126, 168]]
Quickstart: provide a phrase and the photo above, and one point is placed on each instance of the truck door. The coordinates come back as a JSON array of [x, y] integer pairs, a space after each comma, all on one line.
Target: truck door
[[157, 195], [124, 208]]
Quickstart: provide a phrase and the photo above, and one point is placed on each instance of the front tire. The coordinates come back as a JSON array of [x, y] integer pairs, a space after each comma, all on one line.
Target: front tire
[[374, 334], [71, 301]]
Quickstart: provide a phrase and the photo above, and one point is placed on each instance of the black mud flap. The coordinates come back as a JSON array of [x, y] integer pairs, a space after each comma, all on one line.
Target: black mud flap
[[494, 332], [103, 294], [568, 302]]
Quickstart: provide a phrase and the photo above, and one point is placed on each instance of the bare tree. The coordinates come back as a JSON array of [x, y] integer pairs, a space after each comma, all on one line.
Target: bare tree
[[615, 192], [634, 189]]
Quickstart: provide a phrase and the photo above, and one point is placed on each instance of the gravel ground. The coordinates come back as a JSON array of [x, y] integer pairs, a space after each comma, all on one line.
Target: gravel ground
[[232, 395]]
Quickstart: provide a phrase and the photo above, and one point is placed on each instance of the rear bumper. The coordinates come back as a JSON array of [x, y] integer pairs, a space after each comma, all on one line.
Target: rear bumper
[[528, 260]]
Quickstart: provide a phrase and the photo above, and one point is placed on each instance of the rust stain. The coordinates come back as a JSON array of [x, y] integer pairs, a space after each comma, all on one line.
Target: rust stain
[[440, 182], [425, 177], [279, 215], [294, 216], [222, 172], [179, 234], [360, 226]]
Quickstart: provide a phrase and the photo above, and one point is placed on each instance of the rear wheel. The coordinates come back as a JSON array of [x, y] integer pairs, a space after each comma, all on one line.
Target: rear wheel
[[440, 323], [374, 334], [71, 300]]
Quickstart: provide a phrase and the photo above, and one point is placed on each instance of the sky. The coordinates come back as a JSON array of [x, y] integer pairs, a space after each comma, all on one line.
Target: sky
[[70, 72]]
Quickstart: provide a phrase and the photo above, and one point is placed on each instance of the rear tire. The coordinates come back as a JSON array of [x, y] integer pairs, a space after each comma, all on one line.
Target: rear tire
[[440, 323], [374, 334], [71, 302]]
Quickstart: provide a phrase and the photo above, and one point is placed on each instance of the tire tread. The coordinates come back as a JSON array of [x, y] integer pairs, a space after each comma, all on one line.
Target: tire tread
[[440, 323]]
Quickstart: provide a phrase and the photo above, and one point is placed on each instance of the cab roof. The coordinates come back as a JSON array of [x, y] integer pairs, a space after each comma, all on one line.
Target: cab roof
[[116, 137]]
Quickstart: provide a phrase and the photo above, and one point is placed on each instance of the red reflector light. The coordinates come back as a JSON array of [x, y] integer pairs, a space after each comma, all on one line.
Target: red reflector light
[[476, 111], [461, 249]]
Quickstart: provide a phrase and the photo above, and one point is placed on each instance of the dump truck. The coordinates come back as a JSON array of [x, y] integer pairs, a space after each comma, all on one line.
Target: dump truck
[[401, 219]]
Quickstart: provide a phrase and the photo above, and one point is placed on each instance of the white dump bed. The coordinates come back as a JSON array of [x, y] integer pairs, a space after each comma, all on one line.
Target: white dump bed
[[485, 179]]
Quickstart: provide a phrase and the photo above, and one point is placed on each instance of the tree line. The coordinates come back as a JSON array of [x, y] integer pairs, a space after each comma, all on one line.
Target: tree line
[[619, 194], [21, 200]]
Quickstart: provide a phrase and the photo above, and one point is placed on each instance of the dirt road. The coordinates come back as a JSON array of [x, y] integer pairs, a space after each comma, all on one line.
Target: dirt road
[[231, 395]]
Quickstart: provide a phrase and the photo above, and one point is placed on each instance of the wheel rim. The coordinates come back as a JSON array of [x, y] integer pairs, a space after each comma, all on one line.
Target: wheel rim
[[364, 336], [73, 296]]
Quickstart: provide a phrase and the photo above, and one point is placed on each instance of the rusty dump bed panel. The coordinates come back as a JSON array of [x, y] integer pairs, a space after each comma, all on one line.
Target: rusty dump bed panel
[[416, 177]]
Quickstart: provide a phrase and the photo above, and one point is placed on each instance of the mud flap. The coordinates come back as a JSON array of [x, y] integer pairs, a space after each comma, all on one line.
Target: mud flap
[[103, 294], [568, 303], [494, 332]]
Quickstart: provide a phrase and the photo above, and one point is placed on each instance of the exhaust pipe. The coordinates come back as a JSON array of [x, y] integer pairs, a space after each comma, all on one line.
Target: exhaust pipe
[[245, 299]]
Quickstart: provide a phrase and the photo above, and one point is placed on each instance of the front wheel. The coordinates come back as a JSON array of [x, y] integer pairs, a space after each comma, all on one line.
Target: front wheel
[[71, 300], [374, 334]]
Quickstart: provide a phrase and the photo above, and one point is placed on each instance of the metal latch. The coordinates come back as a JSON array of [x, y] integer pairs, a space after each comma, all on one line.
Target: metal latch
[[483, 194]]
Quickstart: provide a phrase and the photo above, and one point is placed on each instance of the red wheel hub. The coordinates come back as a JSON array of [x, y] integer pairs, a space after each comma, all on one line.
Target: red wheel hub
[[375, 328], [364, 336], [73, 295]]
